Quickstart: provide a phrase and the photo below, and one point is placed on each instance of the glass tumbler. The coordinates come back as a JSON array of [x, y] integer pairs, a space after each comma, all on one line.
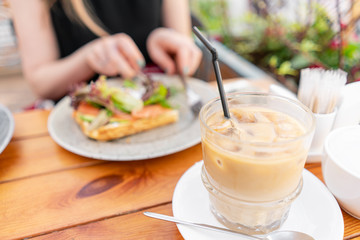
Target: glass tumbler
[[254, 175]]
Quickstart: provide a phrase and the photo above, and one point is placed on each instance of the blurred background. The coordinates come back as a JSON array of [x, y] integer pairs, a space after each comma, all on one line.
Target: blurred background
[[14, 91], [255, 39], [281, 37]]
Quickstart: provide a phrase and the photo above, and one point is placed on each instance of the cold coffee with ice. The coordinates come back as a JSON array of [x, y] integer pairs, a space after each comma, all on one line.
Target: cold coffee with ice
[[253, 161]]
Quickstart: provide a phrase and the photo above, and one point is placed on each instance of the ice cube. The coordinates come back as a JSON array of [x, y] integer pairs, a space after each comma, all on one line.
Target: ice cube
[[261, 117], [228, 144], [285, 126], [258, 132], [287, 130], [243, 116], [221, 126]]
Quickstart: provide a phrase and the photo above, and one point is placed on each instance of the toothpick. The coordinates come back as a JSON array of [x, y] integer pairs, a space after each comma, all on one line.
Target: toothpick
[[320, 89]]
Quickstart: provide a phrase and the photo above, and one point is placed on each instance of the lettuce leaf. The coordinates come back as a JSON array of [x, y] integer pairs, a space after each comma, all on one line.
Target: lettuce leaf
[[159, 96], [122, 100]]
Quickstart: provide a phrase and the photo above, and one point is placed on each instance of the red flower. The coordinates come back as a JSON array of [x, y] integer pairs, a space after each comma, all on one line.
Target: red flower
[[343, 26], [335, 43], [218, 38], [316, 65]]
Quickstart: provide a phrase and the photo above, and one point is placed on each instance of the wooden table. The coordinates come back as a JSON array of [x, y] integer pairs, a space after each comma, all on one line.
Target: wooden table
[[47, 192]]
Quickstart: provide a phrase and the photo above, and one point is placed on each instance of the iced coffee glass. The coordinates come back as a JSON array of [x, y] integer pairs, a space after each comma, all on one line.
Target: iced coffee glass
[[253, 162]]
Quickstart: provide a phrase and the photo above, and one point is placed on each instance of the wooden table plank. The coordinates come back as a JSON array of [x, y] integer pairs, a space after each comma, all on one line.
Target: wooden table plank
[[30, 123], [108, 228], [58, 200], [129, 226], [37, 155]]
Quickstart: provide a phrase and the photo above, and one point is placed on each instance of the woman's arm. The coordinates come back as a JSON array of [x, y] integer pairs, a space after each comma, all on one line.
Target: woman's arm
[[172, 47], [49, 77], [176, 15]]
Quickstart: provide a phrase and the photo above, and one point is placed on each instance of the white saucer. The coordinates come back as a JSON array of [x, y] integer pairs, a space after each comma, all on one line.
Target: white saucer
[[314, 212]]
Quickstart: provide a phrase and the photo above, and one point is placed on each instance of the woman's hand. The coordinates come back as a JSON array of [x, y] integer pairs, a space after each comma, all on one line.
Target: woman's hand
[[116, 54], [173, 51]]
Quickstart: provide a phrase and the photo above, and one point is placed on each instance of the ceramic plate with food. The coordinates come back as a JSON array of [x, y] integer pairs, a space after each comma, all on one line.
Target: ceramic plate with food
[[6, 127], [182, 132]]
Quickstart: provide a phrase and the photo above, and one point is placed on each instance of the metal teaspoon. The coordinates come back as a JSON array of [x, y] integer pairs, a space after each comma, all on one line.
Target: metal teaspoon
[[277, 235]]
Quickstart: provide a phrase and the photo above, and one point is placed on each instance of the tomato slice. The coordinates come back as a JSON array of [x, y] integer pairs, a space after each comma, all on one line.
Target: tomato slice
[[88, 109], [149, 111]]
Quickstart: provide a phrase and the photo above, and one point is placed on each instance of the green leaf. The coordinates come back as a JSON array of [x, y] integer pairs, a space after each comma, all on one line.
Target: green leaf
[[158, 96], [122, 100], [299, 62], [352, 51], [329, 57], [286, 69], [273, 62], [129, 84], [120, 107], [109, 113], [86, 118], [94, 104], [165, 104], [309, 46]]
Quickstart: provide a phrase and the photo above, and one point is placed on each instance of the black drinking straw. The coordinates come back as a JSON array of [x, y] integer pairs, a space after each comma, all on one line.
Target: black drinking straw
[[217, 70]]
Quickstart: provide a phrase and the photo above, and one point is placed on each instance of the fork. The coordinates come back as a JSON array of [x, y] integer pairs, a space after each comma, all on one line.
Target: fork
[[193, 99]]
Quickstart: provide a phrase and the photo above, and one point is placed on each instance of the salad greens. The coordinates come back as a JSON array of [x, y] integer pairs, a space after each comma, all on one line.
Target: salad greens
[[121, 100], [115, 99], [159, 96]]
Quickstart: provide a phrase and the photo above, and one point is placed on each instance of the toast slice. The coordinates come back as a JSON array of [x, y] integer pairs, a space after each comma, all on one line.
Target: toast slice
[[149, 117]]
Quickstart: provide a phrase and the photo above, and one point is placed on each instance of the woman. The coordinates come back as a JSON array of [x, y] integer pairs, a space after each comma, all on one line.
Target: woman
[[67, 42]]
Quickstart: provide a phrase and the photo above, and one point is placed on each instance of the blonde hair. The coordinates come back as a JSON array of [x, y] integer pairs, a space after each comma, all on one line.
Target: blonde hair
[[88, 17], [81, 12]]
